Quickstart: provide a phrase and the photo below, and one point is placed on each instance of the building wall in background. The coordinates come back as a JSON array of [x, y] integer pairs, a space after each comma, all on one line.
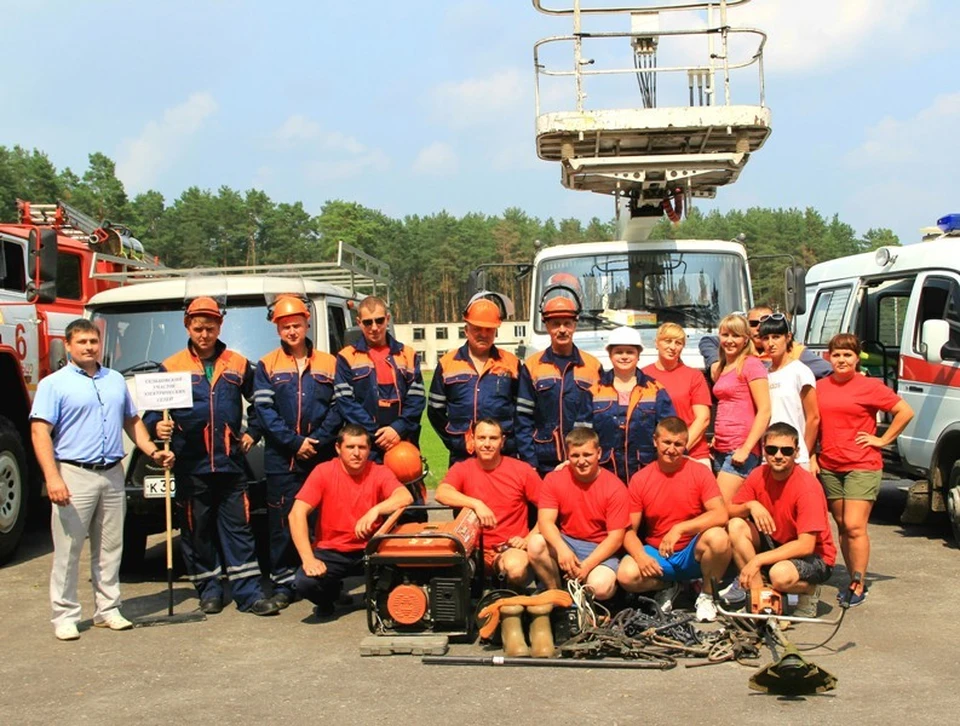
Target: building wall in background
[[433, 340]]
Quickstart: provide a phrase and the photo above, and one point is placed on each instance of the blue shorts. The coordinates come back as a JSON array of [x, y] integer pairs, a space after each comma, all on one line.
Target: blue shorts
[[583, 549], [724, 462], [681, 566]]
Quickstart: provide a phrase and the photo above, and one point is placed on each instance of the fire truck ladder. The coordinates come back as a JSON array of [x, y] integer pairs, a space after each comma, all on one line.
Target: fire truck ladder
[[114, 239], [353, 270], [655, 152]]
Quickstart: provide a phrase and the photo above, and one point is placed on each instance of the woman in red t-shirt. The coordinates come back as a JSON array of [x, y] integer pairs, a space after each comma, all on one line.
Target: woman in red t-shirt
[[743, 406], [687, 388], [850, 463]]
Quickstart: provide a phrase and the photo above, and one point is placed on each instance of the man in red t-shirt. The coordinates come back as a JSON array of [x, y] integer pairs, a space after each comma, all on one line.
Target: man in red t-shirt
[[787, 533], [582, 518], [500, 490], [679, 505], [353, 495]]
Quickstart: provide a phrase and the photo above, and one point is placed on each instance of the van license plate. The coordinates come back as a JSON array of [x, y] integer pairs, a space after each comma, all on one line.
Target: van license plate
[[155, 488]]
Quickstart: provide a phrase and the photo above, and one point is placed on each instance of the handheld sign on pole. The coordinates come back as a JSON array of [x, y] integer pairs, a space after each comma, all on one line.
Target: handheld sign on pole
[[161, 392]]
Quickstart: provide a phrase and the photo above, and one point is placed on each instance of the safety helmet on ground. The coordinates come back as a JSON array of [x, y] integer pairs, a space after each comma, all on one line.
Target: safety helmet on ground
[[483, 313], [559, 307], [205, 306], [624, 335], [287, 305], [405, 462]]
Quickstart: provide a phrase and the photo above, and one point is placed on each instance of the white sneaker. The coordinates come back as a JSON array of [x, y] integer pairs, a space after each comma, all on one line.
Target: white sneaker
[[706, 609], [733, 594], [113, 620], [67, 631], [664, 598]]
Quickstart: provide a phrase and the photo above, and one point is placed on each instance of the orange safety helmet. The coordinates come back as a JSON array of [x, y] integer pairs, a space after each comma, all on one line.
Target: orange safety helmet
[[565, 279], [405, 462], [205, 306], [559, 307], [287, 305], [483, 313]]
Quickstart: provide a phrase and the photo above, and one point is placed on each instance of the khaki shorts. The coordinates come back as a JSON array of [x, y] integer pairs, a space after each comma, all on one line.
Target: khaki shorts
[[857, 484]]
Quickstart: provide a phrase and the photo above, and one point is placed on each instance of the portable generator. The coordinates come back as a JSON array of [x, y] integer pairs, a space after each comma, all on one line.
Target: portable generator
[[422, 576]]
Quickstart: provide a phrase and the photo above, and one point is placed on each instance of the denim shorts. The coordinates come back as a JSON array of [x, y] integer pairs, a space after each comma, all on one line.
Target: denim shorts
[[812, 569], [724, 462], [583, 549]]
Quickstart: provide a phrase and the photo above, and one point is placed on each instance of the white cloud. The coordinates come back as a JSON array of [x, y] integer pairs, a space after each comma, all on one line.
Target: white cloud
[[334, 154], [338, 169], [478, 101], [915, 141], [902, 175], [141, 159], [822, 34], [437, 159]]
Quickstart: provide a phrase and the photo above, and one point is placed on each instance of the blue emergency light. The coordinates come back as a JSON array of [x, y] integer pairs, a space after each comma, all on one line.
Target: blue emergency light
[[950, 223]]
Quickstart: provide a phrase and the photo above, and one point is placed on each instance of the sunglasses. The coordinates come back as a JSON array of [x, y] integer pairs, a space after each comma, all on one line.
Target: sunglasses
[[765, 318], [785, 450], [367, 322]]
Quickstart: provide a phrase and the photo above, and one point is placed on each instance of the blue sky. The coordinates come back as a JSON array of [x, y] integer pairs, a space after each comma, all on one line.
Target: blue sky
[[427, 105]]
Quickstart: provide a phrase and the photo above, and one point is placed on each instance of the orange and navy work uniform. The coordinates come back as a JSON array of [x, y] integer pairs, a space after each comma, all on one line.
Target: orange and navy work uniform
[[213, 508], [555, 394], [626, 430], [206, 437], [366, 399], [291, 407], [461, 395]]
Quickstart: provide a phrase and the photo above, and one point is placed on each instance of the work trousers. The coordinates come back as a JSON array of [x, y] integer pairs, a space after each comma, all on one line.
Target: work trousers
[[281, 492], [214, 508], [97, 506], [326, 588]]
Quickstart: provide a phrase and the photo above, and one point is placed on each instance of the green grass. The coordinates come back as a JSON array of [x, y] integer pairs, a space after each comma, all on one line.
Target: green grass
[[431, 447]]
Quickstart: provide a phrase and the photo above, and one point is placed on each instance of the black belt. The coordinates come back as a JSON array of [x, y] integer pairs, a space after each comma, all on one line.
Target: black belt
[[91, 467]]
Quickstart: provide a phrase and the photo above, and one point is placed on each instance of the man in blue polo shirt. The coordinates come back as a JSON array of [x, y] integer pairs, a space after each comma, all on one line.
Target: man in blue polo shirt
[[77, 418]]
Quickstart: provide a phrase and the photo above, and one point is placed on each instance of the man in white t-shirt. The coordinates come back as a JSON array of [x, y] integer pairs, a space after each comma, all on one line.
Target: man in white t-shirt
[[793, 386]]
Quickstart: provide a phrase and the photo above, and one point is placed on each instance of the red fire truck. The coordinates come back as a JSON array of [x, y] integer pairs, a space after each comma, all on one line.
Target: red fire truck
[[50, 265]]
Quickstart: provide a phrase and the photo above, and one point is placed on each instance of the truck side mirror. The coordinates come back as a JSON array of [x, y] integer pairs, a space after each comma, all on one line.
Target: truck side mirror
[[934, 336], [476, 281], [42, 266], [795, 290], [57, 354]]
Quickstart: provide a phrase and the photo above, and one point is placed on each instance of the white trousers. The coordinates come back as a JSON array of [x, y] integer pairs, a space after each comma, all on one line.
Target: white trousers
[[97, 507]]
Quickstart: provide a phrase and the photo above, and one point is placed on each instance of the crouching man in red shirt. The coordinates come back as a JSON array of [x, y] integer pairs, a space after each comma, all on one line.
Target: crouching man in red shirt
[[677, 507], [353, 495], [787, 536], [499, 489], [582, 519]]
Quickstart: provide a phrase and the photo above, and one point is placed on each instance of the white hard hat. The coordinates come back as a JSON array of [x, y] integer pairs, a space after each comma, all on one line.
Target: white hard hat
[[624, 335]]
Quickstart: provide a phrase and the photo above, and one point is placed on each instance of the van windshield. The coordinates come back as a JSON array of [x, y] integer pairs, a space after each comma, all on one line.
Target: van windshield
[[644, 289], [139, 338]]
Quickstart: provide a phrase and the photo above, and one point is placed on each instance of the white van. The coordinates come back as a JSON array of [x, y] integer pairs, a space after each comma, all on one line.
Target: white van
[[904, 305]]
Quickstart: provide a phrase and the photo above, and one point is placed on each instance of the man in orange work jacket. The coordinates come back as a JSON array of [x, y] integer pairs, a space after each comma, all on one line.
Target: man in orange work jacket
[[476, 381], [555, 389], [378, 384], [293, 398], [209, 445]]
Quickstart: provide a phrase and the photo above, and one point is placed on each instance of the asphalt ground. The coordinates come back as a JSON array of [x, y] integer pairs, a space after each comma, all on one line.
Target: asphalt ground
[[896, 659]]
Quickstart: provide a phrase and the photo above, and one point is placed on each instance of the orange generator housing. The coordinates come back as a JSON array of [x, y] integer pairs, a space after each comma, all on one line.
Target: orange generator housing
[[423, 576]]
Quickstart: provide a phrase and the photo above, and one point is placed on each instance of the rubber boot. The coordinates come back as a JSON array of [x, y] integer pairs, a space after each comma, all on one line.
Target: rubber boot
[[511, 631], [541, 635]]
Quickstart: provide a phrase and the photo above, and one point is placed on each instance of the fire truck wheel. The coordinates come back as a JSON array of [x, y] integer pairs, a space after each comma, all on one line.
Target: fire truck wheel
[[952, 498], [14, 490]]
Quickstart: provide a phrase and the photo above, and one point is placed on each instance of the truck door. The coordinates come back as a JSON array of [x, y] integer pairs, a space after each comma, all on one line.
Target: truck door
[[932, 390], [18, 321]]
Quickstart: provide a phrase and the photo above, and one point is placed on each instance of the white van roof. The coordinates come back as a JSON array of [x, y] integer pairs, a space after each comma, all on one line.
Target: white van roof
[[942, 253], [236, 286]]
